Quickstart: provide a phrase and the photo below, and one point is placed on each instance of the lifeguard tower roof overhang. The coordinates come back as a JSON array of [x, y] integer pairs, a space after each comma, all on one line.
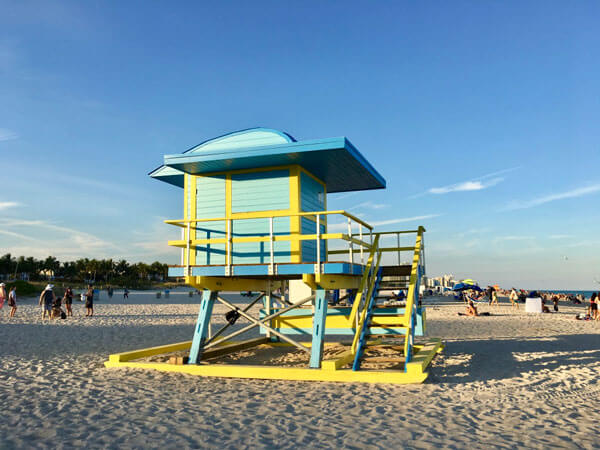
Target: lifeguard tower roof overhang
[[335, 161]]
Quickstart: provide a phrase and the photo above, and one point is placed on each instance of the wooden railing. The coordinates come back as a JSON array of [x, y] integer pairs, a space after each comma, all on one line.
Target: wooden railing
[[355, 241]]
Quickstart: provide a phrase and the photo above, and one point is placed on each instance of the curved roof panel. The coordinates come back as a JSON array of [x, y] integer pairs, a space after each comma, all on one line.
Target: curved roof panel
[[334, 160]]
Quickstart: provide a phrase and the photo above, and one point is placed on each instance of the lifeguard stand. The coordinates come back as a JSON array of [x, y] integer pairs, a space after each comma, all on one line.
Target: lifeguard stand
[[256, 220]]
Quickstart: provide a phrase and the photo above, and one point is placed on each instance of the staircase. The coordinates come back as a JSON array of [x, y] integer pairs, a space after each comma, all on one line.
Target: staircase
[[376, 281]]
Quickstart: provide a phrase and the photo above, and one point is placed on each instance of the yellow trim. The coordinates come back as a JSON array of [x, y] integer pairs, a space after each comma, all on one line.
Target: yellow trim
[[267, 214], [231, 283], [193, 186], [260, 214], [284, 373], [416, 371], [295, 221], [228, 196], [391, 322], [412, 287], [364, 280], [238, 171], [363, 316], [327, 281], [145, 352], [290, 238]]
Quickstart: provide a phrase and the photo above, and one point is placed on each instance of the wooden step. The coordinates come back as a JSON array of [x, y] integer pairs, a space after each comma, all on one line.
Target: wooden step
[[403, 270]]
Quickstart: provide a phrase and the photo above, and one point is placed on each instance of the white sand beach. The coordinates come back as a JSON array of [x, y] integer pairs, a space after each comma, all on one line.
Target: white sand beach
[[509, 380]]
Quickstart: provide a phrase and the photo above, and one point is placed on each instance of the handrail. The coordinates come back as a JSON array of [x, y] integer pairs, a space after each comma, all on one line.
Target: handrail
[[413, 293], [363, 282], [228, 238], [368, 299], [266, 215]]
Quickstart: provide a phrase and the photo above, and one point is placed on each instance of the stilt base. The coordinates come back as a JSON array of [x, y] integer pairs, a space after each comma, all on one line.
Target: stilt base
[[416, 370]]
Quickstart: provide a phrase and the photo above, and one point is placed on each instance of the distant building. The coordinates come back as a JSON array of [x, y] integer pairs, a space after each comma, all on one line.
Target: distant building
[[443, 282]]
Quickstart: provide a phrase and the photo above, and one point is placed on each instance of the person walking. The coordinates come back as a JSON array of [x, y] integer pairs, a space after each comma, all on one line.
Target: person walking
[[2, 295], [593, 306], [514, 298], [89, 301], [12, 301], [68, 299], [47, 298], [125, 293]]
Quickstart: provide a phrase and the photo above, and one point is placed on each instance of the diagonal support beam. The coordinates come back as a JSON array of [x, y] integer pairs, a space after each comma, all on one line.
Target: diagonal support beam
[[264, 319], [227, 325], [258, 322]]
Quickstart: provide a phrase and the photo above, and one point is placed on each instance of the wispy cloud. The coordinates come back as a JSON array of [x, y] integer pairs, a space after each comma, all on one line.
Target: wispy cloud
[[370, 205], [513, 238], [16, 235], [574, 193], [404, 219], [7, 135], [343, 195], [64, 241], [474, 184], [560, 236], [6, 205], [465, 186], [344, 226]]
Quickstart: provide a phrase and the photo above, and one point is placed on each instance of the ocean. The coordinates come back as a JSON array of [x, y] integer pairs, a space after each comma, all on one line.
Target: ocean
[[586, 294]]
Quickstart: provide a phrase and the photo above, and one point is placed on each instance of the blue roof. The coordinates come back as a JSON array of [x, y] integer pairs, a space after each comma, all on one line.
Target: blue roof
[[334, 160]]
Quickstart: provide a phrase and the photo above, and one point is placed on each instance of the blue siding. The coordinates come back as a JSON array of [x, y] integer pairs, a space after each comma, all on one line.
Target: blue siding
[[260, 191], [210, 203], [312, 194], [309, 248], [259, 252]]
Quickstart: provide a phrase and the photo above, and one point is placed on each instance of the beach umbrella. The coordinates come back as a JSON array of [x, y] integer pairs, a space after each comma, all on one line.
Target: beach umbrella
[[466, 287]]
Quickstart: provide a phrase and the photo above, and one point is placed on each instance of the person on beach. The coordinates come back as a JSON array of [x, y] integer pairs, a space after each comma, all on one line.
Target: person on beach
[[471, 310], [555, 302], [68, 299], [89, 301], [47, 298], [593, 308], [494, 298], [514, 298], [12, 301], [125, 293], [57, 311], [2, 295], [110, 292]]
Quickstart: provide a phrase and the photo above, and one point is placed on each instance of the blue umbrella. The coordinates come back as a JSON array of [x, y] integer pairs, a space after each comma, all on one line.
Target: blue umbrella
[[466, 287]]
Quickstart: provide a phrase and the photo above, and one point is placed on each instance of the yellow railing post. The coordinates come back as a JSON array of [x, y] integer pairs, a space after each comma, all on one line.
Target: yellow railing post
[[413, 292], [363, 282], [363, 315]]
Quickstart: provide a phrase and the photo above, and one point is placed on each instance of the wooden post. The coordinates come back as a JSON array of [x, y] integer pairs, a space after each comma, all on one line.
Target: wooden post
[[318, 244], [267, 303], [202, 325], [319, 317]]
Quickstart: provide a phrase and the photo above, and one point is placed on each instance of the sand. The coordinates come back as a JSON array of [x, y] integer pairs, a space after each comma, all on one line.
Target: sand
[[503, 381]]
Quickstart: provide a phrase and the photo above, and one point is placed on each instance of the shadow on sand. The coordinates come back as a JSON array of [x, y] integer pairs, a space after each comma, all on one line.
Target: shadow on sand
[[497, 359]]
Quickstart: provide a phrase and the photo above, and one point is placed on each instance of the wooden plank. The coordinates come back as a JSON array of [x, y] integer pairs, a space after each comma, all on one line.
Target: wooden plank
[[235, 347], [383, 359], [145, 352]]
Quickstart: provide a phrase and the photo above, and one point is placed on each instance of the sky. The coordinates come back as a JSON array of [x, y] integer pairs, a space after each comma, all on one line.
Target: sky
[[481, 116]]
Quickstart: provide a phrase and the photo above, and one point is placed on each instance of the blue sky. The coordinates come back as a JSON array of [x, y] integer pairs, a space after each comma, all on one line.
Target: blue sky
[[482, 116]]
